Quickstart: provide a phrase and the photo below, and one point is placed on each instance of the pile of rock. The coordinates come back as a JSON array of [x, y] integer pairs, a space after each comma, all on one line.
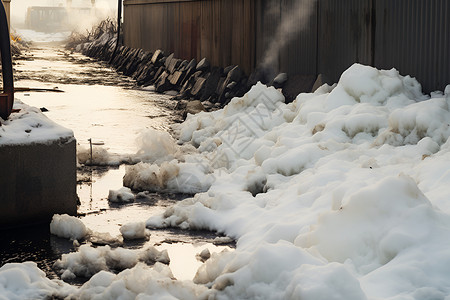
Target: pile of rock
[[191, 80]]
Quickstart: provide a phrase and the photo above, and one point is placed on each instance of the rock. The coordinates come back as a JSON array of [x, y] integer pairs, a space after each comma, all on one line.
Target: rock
[[203, 65], [211, 83], [198, 87], [320, 80], [231, 85], [176, 78], [279, 81], [157, 56], [191, 65], [297, 84], [193, 107], [168, 60], [163, 83], [260, 74], [235, 74], [173, 65], [228, 69]]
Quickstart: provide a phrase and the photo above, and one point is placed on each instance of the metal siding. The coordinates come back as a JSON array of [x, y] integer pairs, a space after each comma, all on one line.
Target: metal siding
[[221, 30], [413, 37], [300, 53], [345, 35], [268, 17]]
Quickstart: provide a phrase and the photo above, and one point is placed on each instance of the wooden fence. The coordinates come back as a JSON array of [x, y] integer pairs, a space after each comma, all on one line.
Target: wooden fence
[[321, 36], [221, 30]]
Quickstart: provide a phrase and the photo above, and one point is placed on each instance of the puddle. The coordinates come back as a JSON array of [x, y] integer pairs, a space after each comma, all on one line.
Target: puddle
[[184, 262]]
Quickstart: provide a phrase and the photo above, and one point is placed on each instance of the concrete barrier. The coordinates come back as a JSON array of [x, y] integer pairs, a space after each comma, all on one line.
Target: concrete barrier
[[37, 181]]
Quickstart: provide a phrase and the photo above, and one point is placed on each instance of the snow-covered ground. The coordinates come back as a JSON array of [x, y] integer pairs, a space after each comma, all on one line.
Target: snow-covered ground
[[342, 194]]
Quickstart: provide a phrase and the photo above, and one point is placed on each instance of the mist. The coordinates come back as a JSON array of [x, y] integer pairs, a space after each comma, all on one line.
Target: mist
[[291, 24], [104, 8]]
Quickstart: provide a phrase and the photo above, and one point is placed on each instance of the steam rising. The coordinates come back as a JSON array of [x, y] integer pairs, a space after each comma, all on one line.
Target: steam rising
[[291, 24]]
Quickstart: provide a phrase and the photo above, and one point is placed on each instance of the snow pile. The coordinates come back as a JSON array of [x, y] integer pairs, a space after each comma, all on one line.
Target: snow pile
[[123, 194], [29, 126], [165, 166], [98, 157], [27, 281], [338, 195], [172, 176], [88, 261], [134, 230], [68, 227], [141, 282], [155, 146]]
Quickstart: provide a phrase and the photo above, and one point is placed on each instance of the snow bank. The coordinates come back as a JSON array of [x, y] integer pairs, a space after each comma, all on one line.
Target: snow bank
[[68, 227], [29, 126], [154, 146], [27, 281], [338, 195], [134, 230], [88, 261], [141, 282], [123, 194]]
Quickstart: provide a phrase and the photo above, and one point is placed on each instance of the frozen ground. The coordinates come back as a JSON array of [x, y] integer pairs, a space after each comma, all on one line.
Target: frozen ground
[[342, 194]]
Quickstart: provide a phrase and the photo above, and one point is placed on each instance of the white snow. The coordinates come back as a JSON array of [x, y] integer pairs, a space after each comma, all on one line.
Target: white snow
[[27, 281], [134, 230], [29, 126], [68, 227], [88, 261], [123, 194], [342, 194], [42, 37]]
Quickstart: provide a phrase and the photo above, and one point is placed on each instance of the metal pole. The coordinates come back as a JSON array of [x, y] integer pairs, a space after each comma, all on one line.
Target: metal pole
[[119, 17], [7, 97]]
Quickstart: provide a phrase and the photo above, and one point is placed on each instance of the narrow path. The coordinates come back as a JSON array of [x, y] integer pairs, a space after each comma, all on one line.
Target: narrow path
[[101, 105]]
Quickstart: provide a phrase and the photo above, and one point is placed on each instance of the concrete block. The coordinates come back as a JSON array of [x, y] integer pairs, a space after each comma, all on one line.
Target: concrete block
[[37, 181]]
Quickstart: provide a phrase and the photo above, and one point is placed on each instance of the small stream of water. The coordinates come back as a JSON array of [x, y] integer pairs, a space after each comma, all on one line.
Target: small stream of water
[[101, 105]]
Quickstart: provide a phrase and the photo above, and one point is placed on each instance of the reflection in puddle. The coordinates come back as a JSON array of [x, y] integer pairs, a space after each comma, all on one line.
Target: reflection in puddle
[[183, 257]]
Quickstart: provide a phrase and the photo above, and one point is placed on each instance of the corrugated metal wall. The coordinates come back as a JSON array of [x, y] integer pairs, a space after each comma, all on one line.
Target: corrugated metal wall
[[326, 36], [344, 35], [221, 30], [414, 37], [287, 31]]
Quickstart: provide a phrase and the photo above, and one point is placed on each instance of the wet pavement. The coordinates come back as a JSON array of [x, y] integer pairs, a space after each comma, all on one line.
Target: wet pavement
[[106, 107]]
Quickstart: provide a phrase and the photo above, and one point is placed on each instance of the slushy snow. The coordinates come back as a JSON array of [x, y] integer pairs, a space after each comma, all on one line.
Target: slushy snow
[[123, 194], [134, 230], [341, 194], [68, 227]]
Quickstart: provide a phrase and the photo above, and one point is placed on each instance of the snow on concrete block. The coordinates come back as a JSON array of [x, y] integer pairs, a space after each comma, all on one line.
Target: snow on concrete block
[[38, 160]]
